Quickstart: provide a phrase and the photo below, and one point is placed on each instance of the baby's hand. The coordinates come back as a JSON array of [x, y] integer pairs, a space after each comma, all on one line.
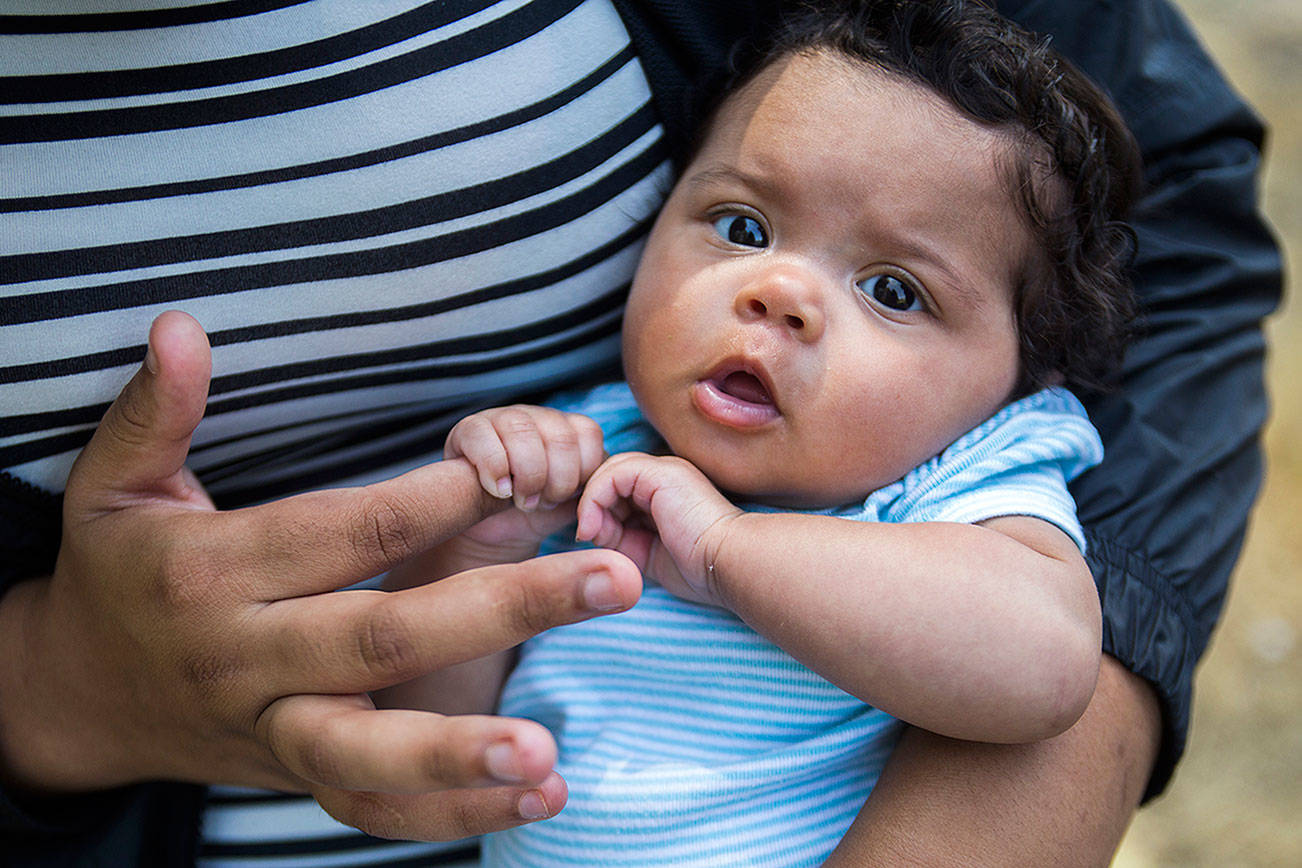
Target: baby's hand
[[537, 456], [664, 514]]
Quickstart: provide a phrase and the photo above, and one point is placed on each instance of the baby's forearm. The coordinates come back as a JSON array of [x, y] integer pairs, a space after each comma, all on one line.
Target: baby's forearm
[[986, 633]]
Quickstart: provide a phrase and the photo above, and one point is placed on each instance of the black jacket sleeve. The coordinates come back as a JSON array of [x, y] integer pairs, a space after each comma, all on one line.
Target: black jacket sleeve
[[1166, 512]]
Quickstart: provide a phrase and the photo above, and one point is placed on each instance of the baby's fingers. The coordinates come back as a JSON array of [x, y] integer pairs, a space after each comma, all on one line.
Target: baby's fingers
[[476, 439], [604, 505]]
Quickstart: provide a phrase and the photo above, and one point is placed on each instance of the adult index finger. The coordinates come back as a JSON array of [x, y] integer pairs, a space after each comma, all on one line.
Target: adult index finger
[[323, 540]]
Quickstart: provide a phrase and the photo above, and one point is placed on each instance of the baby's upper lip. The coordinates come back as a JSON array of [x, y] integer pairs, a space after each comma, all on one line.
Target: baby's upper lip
[[745, 365]]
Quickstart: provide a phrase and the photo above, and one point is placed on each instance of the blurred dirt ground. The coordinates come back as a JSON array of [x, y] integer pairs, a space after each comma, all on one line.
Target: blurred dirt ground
[[1236, 800]]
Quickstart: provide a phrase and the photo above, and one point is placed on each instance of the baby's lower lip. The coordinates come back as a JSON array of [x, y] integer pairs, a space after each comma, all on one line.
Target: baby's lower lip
[[718, 406]]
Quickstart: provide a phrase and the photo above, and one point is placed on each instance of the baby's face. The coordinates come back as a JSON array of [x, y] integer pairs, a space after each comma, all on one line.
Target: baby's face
[[825, 301]]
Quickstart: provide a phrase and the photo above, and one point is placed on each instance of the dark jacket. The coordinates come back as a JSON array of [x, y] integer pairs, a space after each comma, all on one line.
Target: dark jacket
[[1165, 513]]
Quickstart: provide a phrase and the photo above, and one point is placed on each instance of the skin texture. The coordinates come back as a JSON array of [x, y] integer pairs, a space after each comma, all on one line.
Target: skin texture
[[760, 269], [1064, 801], [174, 641], [854, 177]]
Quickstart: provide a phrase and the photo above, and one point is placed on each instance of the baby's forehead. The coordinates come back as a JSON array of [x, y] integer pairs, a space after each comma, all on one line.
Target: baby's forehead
[[851, 131]]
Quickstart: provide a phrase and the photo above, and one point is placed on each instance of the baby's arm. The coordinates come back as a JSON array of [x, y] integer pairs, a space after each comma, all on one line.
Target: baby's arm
[[987, 632], [535, 459]]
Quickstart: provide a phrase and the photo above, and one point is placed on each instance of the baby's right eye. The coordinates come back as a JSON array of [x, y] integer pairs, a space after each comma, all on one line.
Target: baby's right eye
[[740, 229]]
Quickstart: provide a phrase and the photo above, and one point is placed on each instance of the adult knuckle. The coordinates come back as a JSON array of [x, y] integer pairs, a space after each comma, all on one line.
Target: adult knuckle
[[372, 814], [468, 817], [383, 531], [132, 422], [210, 669], [441, 768], [182, 578], [385, 647], [316, 758], [527, 607]]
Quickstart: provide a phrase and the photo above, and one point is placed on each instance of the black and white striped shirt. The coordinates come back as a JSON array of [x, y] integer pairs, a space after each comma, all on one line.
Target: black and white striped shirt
[[384, 213]]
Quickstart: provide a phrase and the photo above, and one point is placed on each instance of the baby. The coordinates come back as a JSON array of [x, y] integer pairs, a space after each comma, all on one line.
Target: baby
[[846, 338]]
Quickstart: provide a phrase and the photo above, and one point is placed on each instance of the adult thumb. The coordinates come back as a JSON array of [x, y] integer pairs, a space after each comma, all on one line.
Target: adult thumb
[[142, 442]]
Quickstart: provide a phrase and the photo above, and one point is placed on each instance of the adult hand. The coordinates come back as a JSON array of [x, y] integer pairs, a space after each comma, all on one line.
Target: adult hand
[[178, 642]]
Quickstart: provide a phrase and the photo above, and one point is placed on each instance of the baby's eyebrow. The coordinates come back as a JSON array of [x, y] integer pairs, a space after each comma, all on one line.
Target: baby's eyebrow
[[953, 279], [720, 174]]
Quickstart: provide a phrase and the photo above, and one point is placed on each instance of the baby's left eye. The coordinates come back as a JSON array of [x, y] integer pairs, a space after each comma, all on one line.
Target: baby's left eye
[[741, 229], [890, 292]]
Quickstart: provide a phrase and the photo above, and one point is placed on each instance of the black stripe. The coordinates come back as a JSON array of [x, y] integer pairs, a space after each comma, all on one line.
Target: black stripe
[[331, 844], [486, 342], [376, 438], [468, 854], [256, 797], [364, 429], [367, 413], [132, 355], [392, 453], [56, 304], [32, 450], [104, 21], [324, 167], [380, 448], [336, 228], [66, 87], [505, 31]]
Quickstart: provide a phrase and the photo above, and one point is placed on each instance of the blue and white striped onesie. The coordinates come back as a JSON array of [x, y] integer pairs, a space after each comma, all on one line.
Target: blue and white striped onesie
[[689, 739]]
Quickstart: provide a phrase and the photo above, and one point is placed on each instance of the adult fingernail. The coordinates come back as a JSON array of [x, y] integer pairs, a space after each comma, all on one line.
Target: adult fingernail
[[599, 593], [503, 763], [504, 487], [532, 806]]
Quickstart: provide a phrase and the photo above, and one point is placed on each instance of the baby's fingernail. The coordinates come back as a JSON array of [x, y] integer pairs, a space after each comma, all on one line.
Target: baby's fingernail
[[599, 593], [503, 763], [532, 806], [504, 487], [531, 502]]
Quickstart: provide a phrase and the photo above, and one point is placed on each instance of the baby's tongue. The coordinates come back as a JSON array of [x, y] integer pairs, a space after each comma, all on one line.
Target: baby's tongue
[[746, 386]]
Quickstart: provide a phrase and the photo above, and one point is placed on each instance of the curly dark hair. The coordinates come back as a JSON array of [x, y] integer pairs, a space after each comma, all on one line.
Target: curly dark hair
[[1074, 170]]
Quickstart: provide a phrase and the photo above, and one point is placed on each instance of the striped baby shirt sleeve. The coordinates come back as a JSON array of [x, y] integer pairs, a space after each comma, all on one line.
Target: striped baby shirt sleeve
[[1018, 462]]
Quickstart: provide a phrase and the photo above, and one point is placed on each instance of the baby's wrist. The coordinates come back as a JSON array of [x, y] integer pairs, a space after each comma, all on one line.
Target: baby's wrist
[[720, 545]]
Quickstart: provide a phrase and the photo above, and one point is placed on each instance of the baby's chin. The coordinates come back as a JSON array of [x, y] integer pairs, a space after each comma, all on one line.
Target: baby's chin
[[752, 488]]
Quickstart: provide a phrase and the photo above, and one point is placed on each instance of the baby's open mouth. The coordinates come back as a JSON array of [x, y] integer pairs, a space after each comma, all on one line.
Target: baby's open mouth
[[744, 386], [737, 396]]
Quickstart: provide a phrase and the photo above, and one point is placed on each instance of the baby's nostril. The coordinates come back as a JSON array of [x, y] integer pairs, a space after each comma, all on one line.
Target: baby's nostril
[[757, 307], [795, 322]]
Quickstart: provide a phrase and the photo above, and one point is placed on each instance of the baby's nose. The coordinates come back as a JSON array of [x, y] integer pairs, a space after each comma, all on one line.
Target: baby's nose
[[786, 296]]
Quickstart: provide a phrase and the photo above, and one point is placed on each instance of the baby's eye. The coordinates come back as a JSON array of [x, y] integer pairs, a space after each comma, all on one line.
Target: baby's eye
[[740, 229], [890, 292]]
